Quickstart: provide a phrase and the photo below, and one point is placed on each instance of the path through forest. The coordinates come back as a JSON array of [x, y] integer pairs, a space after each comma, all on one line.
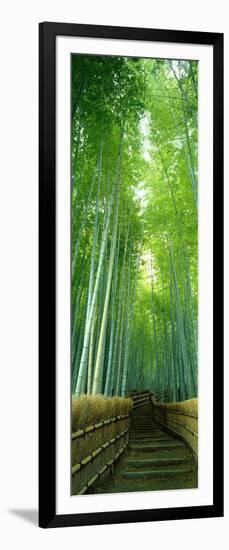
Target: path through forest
[[154, 460]]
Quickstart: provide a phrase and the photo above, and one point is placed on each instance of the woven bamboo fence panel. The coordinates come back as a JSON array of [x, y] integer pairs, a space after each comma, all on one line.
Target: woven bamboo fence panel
[[95, 450], [180, 418]]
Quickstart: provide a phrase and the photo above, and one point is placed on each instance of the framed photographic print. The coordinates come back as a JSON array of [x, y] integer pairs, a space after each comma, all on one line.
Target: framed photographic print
[[131, 275]]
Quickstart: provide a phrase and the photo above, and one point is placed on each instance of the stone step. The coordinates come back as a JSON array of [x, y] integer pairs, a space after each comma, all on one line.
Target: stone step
[[143, 426], [150, 440], [144, 431], [140, 424], [134, 435], [152, 427], [156, 462], [147, 474], [143, 421], [142, 412], [146, 414], [149, 434], [143, 440], [143, 417], [154, 432], [146, 434], [155, 446]]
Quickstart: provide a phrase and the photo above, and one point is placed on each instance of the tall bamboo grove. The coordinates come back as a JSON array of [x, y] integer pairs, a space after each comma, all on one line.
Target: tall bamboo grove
[[134, 226]]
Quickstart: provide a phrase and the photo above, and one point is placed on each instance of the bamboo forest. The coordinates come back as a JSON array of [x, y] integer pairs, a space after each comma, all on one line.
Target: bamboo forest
[[134, 226], [134, 294]]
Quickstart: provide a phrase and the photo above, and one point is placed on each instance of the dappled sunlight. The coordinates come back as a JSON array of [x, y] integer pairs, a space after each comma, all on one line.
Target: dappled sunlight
[[134, 226]]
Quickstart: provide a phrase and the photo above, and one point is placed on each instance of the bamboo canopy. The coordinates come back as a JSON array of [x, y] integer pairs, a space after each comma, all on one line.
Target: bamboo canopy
[[134, 226]]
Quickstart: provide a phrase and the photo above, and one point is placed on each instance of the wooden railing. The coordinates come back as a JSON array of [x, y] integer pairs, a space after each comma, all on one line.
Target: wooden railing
[[165, 396], [140, 398], [95, 449], [180, 418]]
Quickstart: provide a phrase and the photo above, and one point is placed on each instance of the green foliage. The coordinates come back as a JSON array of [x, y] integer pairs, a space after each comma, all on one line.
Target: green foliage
[[134, 159]]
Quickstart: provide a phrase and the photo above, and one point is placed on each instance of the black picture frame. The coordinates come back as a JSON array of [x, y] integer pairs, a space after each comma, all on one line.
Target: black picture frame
[[47, 273]]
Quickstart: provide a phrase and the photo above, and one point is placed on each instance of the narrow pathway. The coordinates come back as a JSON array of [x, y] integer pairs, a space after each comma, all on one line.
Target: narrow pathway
[[153, 461]]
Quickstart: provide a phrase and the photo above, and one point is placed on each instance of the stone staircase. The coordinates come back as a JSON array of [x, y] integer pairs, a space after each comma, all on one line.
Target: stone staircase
[[153, 461]]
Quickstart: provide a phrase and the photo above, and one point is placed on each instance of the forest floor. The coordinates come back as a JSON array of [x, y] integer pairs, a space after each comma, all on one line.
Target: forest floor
[[153, 461]]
